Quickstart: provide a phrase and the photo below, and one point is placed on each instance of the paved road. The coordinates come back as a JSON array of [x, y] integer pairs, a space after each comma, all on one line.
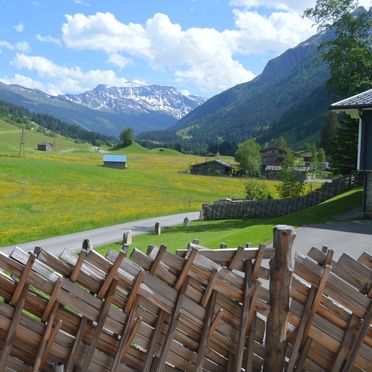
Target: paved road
[[103, 235], [353, 238]]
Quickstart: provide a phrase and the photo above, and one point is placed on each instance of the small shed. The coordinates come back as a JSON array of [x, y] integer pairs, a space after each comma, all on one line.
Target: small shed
[[118, 161], [212, 168], [360, 107], [45, 146]]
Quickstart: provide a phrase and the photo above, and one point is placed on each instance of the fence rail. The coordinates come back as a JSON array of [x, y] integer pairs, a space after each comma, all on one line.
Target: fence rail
[[243, 208], [237, 309]]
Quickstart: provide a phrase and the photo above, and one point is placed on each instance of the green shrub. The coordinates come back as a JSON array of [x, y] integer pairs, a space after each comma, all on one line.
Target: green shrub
[[257, 191]]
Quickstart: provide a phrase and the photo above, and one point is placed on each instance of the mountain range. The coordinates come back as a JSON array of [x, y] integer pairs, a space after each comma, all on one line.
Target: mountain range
[[106, 109]]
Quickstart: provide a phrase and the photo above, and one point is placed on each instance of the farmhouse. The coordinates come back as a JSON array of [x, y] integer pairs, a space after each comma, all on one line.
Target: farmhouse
[[45, 147], [212, 168], [360, 107], [273, 155], [115, 161]]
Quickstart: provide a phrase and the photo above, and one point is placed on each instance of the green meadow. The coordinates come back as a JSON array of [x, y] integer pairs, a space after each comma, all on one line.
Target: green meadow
[[52, 193], [236, 232]]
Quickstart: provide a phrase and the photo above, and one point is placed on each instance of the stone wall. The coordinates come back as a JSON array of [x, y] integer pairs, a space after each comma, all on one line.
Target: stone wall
[[233, 208]]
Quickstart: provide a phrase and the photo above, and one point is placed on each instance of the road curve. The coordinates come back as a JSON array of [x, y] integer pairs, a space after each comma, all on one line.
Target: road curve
[[102, 235]]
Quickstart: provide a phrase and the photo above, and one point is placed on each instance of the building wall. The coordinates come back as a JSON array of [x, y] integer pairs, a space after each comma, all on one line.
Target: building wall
[[368, 195], [115, 165], [212, 169]]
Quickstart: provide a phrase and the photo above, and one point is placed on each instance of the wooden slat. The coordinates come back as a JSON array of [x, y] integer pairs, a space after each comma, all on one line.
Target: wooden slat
[[44, 339], [11, 332], [134, 292], [101, 321], [215, 323], [159, 257], [210, 287], [111, 275], [52, 300], [250, 344], [23, 279], [300, 330], [359, 339], [50, 342], [203, 344], [237, 257], [366, 259], [154, 341], [304, 353], [185, 270], [346, 343], [258, 261], [77, 267], [245, 314], [172, 328], [76, 345]]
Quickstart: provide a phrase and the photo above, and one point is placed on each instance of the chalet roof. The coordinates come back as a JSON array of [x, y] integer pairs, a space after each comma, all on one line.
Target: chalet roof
[[226, 165], [281, 149], [117, 158], [361, 100]]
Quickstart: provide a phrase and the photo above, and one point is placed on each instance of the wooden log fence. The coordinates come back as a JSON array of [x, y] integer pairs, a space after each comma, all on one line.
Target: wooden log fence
[[229, 309]]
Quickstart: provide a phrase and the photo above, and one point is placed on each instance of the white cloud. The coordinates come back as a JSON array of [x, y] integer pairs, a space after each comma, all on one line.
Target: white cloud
[[24, 81], [81, 2], [20, 27], [294, 5], [202, 55], [119, 60], [49, 39], [60, 79], [22, 46], [366, 3]]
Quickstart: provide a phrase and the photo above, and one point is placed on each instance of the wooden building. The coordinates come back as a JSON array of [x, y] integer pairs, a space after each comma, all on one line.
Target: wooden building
[[212, 168], [360, 107], [273, 155], [118, 161], [45, 147]]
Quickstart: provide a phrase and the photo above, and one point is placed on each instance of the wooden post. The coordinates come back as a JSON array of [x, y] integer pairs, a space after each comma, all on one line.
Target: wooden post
[[280, 280]]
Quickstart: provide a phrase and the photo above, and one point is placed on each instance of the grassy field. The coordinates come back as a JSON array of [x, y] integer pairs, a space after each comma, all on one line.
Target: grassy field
[[236, 232], [48, 194]]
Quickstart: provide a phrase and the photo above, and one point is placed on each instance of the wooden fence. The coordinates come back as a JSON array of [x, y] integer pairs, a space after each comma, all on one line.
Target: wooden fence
[[244, 208], [237, 309]]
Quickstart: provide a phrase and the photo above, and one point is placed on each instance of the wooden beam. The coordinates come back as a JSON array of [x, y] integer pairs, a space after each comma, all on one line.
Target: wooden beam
[[100, 323], [359, 339], [303, 355], [244, 318], [258, 261], [346, 343], [210, 287], [23, 279], [237, 257], [44, 339], [154, 341], [12, 329], [50, 342], [52, 300], [75, 348], [79, 263], [203, 344], [300, 330], [158, 258], [134, 291], [172, 327], [280, 281], [215, 322], [124, 337], [250, 345], [185, 270], [111, 275]]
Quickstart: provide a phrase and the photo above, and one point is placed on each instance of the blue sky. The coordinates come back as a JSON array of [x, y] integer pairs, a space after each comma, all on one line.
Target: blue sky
[[203, 46]]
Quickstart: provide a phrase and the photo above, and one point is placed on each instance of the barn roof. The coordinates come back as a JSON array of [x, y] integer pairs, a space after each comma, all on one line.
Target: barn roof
[[361, 100], [118, 158], [227, 165]]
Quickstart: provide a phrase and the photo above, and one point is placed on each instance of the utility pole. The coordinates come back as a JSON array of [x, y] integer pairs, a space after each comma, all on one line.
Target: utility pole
[[22, 143]]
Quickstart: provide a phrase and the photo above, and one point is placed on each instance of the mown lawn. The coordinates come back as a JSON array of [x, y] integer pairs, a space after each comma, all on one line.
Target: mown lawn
[[236, 232]]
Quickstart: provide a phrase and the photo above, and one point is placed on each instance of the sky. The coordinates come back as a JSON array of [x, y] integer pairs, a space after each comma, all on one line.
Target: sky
[[200, 46]]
